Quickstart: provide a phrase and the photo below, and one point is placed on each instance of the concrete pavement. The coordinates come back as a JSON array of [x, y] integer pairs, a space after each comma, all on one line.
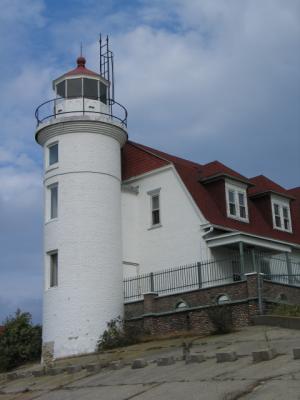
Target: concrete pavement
[[243, 379]]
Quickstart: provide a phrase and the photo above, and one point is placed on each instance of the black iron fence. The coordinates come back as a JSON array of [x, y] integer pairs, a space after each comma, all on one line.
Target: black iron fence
[[282, 270], [50, 109], [212, 273]]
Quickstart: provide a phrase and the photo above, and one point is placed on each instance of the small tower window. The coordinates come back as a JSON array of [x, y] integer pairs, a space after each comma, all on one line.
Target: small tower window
[[53, 269], [74, 88], [90, 88], [61, 89], [53, 189], [103, 93], [53, 153]]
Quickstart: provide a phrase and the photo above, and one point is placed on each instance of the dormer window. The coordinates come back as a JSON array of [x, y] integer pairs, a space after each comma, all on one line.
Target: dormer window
[[281, 214], [236, 199]]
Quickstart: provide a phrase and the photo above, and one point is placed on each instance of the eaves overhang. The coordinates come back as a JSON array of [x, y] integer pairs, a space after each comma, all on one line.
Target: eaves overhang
[[219, 176], [269, 193], [251, 240]]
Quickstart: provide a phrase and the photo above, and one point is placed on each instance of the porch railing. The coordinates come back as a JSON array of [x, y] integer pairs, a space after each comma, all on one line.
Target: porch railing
[[212, 273], [184, 278]]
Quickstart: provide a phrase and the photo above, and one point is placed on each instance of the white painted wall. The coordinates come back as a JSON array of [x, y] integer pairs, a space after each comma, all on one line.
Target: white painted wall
[[87, 236], [178, 241]]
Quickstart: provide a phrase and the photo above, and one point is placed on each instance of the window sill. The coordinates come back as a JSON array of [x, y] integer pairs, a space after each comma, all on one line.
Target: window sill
[[282, 230], [154, 227], [50, 288], [51, 220], [245, 220]]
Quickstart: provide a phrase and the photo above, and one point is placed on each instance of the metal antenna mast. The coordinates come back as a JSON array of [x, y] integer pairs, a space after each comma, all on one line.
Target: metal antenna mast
[[106, 65]]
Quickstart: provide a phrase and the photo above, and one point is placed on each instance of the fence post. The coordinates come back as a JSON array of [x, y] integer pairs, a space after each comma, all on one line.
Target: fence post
[[151, 282], [242, 258], [199, 275], [260, 281], [289, 268]]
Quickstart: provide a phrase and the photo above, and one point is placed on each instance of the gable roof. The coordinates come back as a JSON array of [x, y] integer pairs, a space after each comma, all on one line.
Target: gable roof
[[138, 159], [263, 185], [216, 170]]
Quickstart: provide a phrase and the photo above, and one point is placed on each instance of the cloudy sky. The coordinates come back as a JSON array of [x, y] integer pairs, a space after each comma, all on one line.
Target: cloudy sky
[[203, 79]]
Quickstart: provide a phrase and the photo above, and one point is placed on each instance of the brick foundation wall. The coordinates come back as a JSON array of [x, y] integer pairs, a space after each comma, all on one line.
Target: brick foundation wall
[[158, 314], [281, 292]]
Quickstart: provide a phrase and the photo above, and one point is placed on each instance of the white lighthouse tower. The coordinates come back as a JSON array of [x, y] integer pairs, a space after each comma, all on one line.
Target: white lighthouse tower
[[81, 133]]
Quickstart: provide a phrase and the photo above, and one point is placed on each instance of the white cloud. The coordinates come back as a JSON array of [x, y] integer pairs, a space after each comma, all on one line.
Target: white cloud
[[22, 12]]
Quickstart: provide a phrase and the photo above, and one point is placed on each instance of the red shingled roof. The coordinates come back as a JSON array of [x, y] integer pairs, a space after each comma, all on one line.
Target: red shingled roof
[[138, 159], [263, 185], [81, 69], [216, 169]]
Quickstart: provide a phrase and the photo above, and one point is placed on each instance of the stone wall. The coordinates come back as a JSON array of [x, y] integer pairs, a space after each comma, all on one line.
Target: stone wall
[[159, 315]]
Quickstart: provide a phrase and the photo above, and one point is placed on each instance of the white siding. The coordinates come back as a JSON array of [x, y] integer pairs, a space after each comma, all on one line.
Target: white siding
[[177, 241], [87, 236]]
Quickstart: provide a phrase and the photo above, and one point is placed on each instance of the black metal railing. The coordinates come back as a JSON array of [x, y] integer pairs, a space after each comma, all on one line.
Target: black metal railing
[[212, 273], [184, 278], [282, 270], [48, 110]]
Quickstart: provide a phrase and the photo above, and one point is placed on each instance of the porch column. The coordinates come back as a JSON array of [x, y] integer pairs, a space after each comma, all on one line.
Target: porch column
[[242, 258], [254, 266], [289, 268]]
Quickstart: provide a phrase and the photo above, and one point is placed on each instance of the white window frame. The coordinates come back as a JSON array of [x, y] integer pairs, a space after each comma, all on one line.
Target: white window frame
[[52, 281], [48, 154], [152, 194], [236, 189], [281, 203]]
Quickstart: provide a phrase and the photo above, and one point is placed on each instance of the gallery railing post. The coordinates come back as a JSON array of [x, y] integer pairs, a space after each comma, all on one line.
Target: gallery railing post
[[199, 273]]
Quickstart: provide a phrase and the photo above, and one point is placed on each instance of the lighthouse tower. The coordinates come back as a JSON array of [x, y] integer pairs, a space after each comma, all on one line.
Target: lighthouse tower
[[81, 132]]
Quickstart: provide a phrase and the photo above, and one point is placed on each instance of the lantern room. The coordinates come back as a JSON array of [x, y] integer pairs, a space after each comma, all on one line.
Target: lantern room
[[86, 94], [81, 90]]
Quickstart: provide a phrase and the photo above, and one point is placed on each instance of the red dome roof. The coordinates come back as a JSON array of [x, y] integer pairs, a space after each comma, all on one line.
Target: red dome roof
[[81, 69]]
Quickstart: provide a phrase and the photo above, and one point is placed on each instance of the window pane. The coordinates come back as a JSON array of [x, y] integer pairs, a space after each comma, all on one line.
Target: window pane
[[232, 209], [61, 89], [277, 221], [286, 224], [155, 202], [90, 88], [155, 217], [231, 196], [53, 202], [103, 93], [241, 199], [53, 270], [242, 212], [276, 209], [285, 212], [74, 88], [53, 154]]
